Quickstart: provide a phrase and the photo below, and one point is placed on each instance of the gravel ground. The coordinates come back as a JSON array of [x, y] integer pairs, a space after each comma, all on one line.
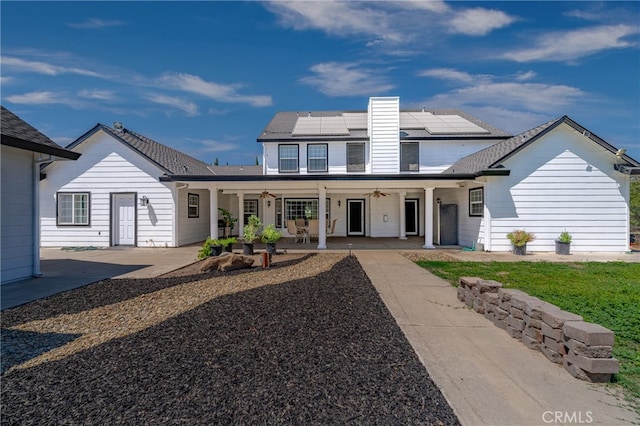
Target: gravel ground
[[307, 341]]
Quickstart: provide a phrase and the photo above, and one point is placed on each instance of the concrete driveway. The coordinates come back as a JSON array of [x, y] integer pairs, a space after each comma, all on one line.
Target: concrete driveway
[[64, 270]]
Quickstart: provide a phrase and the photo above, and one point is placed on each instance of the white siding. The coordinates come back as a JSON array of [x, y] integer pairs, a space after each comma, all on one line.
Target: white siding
[[470, 228], [438, 155], [17, 214], [561, 181], [107, 166], [384, 133], [193, 229]]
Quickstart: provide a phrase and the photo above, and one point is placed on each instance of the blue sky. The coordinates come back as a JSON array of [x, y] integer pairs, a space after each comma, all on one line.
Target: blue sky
[[206, 77]]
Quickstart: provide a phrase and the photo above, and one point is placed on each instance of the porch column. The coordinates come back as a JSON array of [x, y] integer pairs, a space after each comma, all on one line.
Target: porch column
[[322, 218], [428, 219], [213, 212], [403, 216], [240, 214]]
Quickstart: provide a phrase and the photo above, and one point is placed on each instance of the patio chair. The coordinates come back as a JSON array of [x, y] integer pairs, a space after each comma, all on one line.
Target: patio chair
[[300, 222], [293, 230], [331, 229], [314, 228]]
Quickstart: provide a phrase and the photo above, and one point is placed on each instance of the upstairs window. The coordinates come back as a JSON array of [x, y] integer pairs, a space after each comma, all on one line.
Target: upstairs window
[[288, 158], [409, 157], [73, 208], [355, 157], [476, 202], [317, 157]]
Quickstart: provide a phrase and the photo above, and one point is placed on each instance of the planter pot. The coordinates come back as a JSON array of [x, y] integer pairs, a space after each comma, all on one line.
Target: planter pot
[[271, 248], [520, 250], [216, 250], [563, 248], [229, 248], [247, 249]]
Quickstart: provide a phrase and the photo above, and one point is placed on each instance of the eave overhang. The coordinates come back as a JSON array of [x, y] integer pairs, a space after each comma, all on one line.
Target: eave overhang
[[627, 170], [38, 147], [327, 178]]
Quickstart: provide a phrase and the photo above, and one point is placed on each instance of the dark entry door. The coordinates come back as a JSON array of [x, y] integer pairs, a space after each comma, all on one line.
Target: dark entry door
[[411, 217], [448, 224], [355, 217]]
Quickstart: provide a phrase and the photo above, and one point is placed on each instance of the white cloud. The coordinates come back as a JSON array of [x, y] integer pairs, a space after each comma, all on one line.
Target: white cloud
[[479, 21], [530, 96], [102, 95], [5, 80], [336, 17], [346, 79], [522, 76], [95, 24], [219, 92], [189, 108], [447, 74], [569, 45], [41, 98], [43, 67]]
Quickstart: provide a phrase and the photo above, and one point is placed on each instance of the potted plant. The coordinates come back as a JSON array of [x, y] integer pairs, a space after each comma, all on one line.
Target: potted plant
[[270, 235], [250, 234], [563, 243], [227, 243], [229, 221], [519, 239], [211, 247]]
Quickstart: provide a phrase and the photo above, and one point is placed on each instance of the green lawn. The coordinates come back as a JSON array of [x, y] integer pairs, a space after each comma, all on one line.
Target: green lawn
[[604, 293]]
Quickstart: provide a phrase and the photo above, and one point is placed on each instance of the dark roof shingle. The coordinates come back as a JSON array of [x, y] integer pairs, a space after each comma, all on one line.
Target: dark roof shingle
[[171, 160], [494, 155], [20, 134]]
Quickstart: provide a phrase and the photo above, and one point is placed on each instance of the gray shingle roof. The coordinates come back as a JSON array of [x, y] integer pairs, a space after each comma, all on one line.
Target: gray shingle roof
[[236, 170], [169, 159], [20, 134], [494, 155], [281, 127]]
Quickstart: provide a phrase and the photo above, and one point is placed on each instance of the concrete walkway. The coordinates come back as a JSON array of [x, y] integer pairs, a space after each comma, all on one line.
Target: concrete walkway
[[488, 377]]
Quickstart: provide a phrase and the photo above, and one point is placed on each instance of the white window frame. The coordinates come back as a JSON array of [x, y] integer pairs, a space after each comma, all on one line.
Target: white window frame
[[76, 205], [193, 202], [312, 156], [282, 169], [310, 208], [476, 202], [250, 208]]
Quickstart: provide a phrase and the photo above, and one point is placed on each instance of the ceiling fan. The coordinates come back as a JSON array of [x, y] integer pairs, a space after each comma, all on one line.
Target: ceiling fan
[[265, 194], [376, 194]]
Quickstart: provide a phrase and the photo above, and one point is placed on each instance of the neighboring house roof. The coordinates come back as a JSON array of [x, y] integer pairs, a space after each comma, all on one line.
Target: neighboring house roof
[[493, 156], [236, 170], [170, 160], [282, 126], [20, 134]]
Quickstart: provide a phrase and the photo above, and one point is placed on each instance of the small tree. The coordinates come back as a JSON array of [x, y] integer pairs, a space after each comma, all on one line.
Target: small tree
[[215, 162], [251, 229]]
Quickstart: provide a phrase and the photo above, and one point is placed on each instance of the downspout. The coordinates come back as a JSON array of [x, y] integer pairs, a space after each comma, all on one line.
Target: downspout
[[36, 213], [176, 205]]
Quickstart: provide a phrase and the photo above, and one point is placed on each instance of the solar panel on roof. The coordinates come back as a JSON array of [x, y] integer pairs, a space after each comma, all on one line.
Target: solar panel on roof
[[312, 126], [355, 120]]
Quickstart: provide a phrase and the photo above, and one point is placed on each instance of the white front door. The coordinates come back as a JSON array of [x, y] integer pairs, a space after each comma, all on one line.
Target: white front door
[[124, 219]]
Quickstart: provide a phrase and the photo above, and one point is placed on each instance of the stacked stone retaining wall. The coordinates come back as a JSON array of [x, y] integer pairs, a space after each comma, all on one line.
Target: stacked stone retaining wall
[[583, 349]]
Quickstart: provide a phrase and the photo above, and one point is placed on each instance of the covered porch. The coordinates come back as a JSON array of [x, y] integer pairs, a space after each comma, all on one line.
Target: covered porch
[[365, 211]]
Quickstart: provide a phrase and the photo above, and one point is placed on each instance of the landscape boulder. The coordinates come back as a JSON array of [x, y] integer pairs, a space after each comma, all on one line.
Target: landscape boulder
[[226, 262]]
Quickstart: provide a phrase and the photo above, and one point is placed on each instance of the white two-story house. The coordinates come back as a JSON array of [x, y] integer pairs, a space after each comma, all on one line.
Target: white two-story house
[[438, 174], [441, 175]]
